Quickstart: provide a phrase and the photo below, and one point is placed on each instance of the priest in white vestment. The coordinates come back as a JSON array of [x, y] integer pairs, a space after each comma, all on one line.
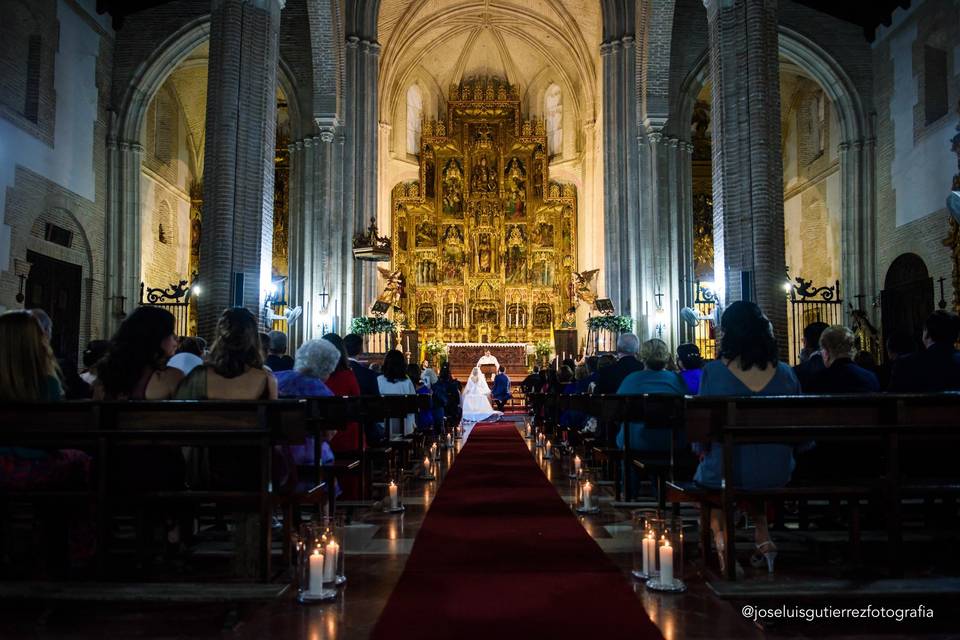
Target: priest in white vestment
[[488, 358]]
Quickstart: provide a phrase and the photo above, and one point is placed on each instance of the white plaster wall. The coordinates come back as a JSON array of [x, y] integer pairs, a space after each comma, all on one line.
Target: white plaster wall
[[921, 170], [69, 162]]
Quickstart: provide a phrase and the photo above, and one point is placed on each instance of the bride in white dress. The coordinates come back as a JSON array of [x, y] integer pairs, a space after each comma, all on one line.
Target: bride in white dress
[[475, 401]]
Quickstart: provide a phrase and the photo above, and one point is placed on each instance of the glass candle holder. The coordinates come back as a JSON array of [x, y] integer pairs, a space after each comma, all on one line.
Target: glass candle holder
[[316, 572], [588, 501], [391, 501], [669, 557], [646, 526]]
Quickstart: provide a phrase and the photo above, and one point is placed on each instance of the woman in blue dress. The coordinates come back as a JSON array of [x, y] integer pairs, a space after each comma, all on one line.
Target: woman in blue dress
[[748, 366]]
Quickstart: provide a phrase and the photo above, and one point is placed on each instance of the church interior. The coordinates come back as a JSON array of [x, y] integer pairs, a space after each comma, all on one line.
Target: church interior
[[474, 293]]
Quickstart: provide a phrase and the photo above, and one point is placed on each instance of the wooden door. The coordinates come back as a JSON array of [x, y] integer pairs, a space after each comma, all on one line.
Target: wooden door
[[54, 286]]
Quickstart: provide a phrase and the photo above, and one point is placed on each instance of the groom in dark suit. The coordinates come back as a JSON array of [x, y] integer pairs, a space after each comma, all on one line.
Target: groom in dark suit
[[501, 389]]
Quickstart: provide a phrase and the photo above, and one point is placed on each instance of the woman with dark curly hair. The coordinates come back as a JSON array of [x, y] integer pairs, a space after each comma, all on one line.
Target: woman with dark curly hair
[[135, 367], [748, 366]]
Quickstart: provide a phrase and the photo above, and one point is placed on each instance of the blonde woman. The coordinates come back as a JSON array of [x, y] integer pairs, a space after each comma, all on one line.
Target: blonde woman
[[28, 370]]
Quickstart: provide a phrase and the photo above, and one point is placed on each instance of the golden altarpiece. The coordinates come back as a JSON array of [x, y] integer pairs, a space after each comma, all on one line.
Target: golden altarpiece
[[484, 241]]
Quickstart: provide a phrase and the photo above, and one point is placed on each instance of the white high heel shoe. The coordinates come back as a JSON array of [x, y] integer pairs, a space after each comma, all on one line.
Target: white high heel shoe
[[765, 553]]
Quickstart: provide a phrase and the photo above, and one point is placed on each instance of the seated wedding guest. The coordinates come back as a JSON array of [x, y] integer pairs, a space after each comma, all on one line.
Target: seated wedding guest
[[609, 378], [235, 371], [74, 387], [898, 344], [366, 379], [500, 392], [189, 354], [343, 382], [748, 365], [264, 348], [424, 416], [811, 362], [428, 375], [451, 407], [691, 366], [655, 377], [28, 372], [277, 358], [315, 361], [840, 374], [532, 382], [937, 366], [94, 352], [135, 366], [366, 376], [588, 380], [394, 381]]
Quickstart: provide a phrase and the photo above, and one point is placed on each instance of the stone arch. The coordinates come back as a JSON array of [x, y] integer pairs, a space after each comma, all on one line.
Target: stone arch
[[856, 149], [124, 159]]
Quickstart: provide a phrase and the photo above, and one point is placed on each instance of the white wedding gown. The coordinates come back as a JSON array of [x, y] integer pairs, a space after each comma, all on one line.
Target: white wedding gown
[[475, 401]]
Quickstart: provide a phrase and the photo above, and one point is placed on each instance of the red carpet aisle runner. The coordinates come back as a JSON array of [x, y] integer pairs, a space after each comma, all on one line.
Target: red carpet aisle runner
[[499, 554]]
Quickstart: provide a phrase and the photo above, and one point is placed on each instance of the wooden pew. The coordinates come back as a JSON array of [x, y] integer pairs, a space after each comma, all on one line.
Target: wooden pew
[[853, 423]]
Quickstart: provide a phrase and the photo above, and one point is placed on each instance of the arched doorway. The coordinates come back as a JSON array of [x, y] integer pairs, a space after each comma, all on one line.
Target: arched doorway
[[907, 296]]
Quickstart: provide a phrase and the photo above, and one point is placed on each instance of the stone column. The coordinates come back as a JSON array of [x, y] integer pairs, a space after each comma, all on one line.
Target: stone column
[[622, 227], [238, 163], [123, 241], [747, 166]]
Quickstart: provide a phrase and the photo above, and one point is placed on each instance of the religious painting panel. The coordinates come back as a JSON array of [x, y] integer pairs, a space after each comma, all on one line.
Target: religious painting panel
[[516, 189], [453, 188], [426, 316], [426, 234], [542, 316], [516, 258]]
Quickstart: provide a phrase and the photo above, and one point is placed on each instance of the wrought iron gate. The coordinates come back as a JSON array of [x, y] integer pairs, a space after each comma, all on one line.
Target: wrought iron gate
[[175, 299], [811, 304]]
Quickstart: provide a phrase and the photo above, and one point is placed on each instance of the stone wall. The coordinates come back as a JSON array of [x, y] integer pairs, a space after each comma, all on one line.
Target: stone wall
[[914, 162], [61, 178]]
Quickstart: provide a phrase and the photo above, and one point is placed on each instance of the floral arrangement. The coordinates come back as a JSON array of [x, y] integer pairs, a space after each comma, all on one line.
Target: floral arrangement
[[543, 349], [435, 351], [371, 324], [617, 324]]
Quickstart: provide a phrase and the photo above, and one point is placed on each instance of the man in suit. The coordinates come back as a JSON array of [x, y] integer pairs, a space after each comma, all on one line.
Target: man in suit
[[840, 374], [366, 379], [937, 366], [811, 360], [609, 378], [501, 389]]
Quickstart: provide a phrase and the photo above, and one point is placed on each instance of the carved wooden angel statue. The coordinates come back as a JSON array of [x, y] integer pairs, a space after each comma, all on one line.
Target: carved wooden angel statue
[[393, 289], [585, 285]]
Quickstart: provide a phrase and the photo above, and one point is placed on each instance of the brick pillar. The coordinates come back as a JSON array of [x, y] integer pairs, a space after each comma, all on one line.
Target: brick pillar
[[238, 165], [747, 166]]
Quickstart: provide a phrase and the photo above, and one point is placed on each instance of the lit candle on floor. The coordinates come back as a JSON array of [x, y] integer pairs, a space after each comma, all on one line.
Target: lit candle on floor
[[576, 465], [435, 452], [528, 430], [426, 465], [540, 439], [330, 561], [547, 452], [316, 572], [394, 495], [666, 563], [587, 496], [649, 548], [449, 440]]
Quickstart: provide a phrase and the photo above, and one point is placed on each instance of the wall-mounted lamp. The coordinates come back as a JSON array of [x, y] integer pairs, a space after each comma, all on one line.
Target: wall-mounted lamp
[[22, 269]]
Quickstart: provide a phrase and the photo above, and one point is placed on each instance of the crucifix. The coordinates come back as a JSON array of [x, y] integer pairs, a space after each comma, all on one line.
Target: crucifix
[[943, 302]]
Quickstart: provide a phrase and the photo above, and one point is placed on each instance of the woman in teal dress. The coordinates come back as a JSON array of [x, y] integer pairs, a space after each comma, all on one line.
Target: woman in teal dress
[[748, 366]]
